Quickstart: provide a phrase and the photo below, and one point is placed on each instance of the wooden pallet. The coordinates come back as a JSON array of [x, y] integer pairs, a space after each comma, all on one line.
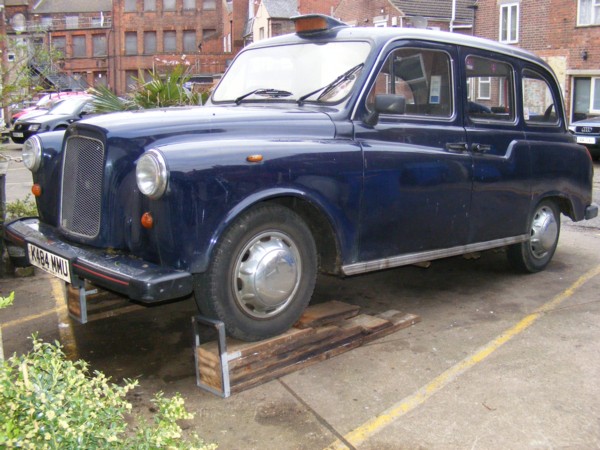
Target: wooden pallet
[[227, 366], [88, 303]]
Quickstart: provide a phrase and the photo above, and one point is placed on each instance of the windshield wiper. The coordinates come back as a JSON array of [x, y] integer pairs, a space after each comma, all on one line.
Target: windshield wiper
[[327, 88], [275, 93]]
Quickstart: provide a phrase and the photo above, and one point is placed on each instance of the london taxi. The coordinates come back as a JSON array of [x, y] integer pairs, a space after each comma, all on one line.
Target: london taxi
[[335, 149]]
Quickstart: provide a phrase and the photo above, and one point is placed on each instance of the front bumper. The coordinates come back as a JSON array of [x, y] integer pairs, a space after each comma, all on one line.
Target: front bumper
[[122, 273], [19, 137], [591, 211]]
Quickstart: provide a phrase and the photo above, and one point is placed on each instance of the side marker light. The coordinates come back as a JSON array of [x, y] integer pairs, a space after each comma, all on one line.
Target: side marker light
[[36, 190], [147, 220]]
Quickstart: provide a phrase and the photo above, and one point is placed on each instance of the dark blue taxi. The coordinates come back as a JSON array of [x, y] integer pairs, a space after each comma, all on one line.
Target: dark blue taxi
[[335, 149]]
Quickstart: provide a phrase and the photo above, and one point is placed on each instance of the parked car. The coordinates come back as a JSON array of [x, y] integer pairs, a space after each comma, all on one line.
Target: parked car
[[57, 118], [335, 149], [43, 104], [587, 132]]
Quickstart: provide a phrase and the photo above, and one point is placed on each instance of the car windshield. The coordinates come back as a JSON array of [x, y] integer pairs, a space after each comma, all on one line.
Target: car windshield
[[289, 72], [69, 106]]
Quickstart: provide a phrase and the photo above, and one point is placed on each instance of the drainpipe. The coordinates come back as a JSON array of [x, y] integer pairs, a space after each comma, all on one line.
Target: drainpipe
[[453, 16]]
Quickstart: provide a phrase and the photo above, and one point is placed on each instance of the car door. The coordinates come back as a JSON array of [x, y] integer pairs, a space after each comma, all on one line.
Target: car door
[[495, 136], [417, 170]]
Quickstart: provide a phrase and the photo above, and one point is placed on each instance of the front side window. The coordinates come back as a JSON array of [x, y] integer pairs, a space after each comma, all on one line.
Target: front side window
[[509, 23], [422, 77], [290, 72], [588, 12], [539, 105], [493, 84]]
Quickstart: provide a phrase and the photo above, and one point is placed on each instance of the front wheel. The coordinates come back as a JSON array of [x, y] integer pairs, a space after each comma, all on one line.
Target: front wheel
[[535, 254], [262, 274]]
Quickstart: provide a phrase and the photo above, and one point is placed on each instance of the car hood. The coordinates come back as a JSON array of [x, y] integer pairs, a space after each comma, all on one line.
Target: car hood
[[213, 122]]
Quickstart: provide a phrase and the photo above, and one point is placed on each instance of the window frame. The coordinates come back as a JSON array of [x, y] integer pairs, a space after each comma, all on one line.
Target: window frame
[[506, 11], [128, 38], [81, 39], [593, 81], [593, 14]]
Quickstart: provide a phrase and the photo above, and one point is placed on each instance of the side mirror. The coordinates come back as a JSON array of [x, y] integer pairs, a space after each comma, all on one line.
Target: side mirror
[[386, 104]]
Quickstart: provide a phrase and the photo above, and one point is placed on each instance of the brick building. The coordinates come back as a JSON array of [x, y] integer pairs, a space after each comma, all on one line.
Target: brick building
[[106, 42], [446, 15], [565, 33]]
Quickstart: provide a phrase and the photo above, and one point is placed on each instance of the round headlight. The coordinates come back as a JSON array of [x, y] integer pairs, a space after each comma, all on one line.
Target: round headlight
[[151, 174], [32, 153]]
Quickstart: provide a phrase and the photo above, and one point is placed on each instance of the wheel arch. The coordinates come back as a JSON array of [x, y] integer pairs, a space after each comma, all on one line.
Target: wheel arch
[[315, 215], [565, 204]]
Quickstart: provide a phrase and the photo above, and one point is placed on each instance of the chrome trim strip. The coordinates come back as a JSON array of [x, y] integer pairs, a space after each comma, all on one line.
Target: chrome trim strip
[[412, 258]]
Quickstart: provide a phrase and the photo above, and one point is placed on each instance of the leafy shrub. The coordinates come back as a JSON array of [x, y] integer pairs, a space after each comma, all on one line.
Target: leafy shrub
[[49, 402], [21, 208]]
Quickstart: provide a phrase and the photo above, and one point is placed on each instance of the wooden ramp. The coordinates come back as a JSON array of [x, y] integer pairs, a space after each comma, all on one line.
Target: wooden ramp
[[227, 366]]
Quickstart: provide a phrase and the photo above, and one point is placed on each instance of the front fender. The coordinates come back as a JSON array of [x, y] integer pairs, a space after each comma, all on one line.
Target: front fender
[[210, 187]]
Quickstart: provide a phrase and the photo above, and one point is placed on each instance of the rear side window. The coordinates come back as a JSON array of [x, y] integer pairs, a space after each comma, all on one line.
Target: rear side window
[[490, 90], [539, 105], [423, 77]]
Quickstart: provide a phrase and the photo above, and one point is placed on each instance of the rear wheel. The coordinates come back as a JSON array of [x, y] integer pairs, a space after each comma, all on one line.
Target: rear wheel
[[536, 253], [262, 274]]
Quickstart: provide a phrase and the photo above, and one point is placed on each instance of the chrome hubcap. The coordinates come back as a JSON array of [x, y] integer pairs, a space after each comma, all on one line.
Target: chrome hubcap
[[544, 232], [266, 274]]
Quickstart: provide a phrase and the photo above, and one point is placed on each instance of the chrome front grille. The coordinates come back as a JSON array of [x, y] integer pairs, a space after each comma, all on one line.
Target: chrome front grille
[[83, 170]]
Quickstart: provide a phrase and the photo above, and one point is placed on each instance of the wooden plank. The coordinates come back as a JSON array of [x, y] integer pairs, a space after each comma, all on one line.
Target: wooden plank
[[324, 313], [399, 321], [368, 324], [331, 340], [292, 366]]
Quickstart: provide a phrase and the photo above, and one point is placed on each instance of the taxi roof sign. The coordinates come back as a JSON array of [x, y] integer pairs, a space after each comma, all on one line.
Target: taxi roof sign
[[314, 23]]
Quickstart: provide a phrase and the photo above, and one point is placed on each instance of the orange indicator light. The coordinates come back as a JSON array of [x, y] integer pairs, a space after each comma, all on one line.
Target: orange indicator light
[[147, 220], [36, 190], [254, 158]]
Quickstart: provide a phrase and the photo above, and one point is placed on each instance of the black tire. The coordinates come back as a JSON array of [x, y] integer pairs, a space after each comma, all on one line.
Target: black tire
[[261, 275], [536, 253]]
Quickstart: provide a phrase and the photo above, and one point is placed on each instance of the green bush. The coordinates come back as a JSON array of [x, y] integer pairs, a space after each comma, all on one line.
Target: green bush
[[21, 208], [49, 402]]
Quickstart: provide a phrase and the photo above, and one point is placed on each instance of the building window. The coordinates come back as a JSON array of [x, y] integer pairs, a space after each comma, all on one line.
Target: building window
[[149, 42], [208, 33], [227, 43], [189, 4], [168, 5], [509, 23], [99, 45], [169, 41], [100, 79], [130, 5], [131, 43], [131, 80], [189, 41], [589, 12], [209, 5], [149, 5], [261, 33], [484, 88], [72, 22], [79, 47], [59, 43]]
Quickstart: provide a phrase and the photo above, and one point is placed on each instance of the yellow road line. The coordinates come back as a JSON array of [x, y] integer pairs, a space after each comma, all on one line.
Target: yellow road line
[[22, 320], [373, 426], [65, 330]]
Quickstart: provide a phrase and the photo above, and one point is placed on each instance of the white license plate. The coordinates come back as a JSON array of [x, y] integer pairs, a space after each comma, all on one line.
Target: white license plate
[[17, 134], [51, 263], [586, 140]]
